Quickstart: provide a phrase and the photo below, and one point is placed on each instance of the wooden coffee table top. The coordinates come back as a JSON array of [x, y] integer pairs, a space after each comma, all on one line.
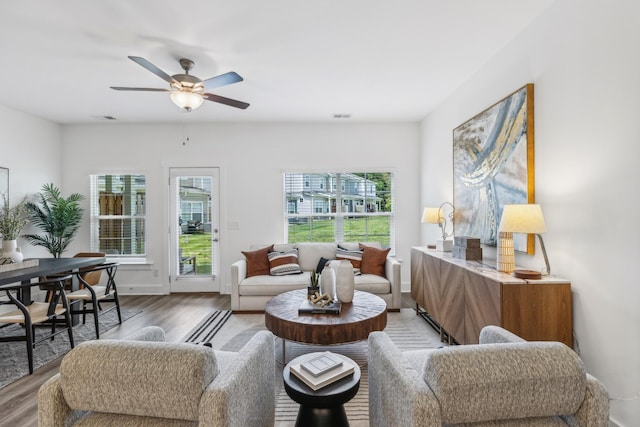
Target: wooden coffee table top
[[367, 313]]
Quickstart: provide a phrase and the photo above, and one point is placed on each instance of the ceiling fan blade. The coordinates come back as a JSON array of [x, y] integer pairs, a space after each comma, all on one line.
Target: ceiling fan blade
[[226, 101], [222, 80], [146, 89], [155, 70]]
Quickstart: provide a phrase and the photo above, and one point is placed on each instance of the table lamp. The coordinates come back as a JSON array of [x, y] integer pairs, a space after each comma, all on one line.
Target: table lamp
[[527, 219], [437, 216]]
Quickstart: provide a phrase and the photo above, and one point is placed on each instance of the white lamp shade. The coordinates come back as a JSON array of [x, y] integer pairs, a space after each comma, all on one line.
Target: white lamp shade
[[186, 100], [430, 215], [522, 219]]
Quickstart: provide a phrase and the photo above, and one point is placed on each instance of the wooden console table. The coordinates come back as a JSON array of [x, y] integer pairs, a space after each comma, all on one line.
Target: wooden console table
[[464, 296]]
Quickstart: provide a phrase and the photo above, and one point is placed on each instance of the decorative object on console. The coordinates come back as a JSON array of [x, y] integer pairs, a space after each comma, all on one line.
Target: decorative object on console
[[345, 284], [438, 216], [493, 155], [527, 219], [467, 248]]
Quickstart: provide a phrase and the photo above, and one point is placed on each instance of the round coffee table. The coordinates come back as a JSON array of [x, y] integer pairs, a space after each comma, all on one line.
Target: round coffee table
[[366, 313], [323, 407]]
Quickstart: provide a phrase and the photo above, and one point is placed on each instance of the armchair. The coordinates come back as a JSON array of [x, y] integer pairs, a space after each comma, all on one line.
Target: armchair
[[141, 381], [504, 380]]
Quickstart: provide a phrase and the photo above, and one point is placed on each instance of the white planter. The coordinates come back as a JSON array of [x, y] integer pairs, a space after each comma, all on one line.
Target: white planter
[[345, 285], [11, 250]]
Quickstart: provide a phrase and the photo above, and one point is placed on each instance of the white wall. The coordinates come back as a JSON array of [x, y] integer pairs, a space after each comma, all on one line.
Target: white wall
[[31, 148], [584, 60], [252, 158]]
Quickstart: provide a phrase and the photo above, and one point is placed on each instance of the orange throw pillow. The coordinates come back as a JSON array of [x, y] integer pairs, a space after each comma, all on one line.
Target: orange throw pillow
[[258, 261], [373, 260]]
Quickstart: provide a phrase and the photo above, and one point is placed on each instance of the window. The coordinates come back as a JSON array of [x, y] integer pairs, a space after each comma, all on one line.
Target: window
[[118, 215], [342, 207]]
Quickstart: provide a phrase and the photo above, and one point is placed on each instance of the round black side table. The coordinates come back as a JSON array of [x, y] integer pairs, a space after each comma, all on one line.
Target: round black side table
[[323, 407]]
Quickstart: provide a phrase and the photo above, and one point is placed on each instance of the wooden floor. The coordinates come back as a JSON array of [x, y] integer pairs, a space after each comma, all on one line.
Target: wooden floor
[[177, 314]]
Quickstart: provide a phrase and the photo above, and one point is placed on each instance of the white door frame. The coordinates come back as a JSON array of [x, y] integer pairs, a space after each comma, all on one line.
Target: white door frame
[[193, 283]]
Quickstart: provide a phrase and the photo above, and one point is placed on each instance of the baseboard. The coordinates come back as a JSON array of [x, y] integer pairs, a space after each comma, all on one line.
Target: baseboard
[[142, 290]]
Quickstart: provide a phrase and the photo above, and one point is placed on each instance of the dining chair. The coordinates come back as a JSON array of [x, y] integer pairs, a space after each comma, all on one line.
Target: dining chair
[[90, 276], [92, 294], [54, 311]]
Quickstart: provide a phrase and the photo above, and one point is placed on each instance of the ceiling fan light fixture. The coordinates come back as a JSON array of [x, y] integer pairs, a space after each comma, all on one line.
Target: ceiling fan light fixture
[[186, 99]]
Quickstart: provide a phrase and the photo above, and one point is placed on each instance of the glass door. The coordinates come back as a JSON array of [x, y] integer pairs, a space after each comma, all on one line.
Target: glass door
[[194, 237]]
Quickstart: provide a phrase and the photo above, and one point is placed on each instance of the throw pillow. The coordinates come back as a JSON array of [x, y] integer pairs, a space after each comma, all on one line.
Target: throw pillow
[[354, 256], [257, 261], [322, 264], [283, 263], [373, 260]]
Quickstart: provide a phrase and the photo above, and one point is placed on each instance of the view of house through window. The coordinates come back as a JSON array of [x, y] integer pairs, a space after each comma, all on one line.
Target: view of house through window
[[342, 207], [195, 222], [118, 214]]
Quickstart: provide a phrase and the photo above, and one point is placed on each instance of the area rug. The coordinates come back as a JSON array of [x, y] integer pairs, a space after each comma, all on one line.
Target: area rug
[[408, 332], [15, 364]]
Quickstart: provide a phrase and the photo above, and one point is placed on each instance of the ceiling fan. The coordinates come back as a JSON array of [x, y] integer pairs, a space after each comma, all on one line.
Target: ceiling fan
[[187, 91]]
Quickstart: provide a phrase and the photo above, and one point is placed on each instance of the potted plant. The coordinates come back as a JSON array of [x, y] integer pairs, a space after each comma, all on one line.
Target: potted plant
[[57, 217], [12, 221], [314, 286]]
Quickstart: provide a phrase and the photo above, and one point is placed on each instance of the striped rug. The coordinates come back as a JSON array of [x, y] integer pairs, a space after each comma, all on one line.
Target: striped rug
[[231, 332], [209, 327]]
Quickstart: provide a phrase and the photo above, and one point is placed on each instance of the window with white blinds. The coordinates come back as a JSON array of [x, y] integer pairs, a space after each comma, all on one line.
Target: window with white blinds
[[339, 207], [118, 215]]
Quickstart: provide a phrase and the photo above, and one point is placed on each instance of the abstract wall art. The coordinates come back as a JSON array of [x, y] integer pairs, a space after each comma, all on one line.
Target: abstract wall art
[[493, 166]]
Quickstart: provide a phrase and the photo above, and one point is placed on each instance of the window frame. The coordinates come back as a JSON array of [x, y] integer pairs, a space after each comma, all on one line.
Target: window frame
[[354, 202], [136, 217]]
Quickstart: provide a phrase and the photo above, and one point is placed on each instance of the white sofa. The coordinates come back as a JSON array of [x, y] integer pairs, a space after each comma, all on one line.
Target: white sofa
[[252, 293]]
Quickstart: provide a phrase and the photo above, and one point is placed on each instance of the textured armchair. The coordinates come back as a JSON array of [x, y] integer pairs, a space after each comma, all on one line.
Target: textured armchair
[[504, 380], [142, 381]]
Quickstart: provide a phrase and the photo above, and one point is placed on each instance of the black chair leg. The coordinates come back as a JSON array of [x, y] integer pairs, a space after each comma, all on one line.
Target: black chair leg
[[30, 338], [95, 319]]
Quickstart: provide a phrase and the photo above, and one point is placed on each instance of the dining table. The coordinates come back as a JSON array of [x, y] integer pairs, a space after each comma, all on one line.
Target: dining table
[[46, 267]]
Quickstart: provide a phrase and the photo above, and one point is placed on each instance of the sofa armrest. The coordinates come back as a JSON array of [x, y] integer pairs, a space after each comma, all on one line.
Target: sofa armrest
[[148, 333], [392, 270], [243, 393], [390, 376], [53, 410], [238, 274], [496, 335], [594, 410]]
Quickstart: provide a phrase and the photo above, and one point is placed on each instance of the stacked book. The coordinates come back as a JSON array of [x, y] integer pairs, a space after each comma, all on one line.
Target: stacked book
[[307, 307], [467, 248], [322, 370]]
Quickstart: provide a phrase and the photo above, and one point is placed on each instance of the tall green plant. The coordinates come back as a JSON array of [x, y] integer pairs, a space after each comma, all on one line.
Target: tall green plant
[[57, 217]]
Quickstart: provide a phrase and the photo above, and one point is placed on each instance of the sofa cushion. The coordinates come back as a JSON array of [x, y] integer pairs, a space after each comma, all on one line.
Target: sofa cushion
[[373, 260], [309, 253], [478, 383], [273, 285], [322, 264], [154, 379], [283, 263], [354, 256], [356, 245], [372, 283], [257, 261]]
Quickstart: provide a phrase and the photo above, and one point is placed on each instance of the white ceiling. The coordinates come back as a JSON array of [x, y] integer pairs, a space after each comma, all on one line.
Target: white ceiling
[[302, 60]]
